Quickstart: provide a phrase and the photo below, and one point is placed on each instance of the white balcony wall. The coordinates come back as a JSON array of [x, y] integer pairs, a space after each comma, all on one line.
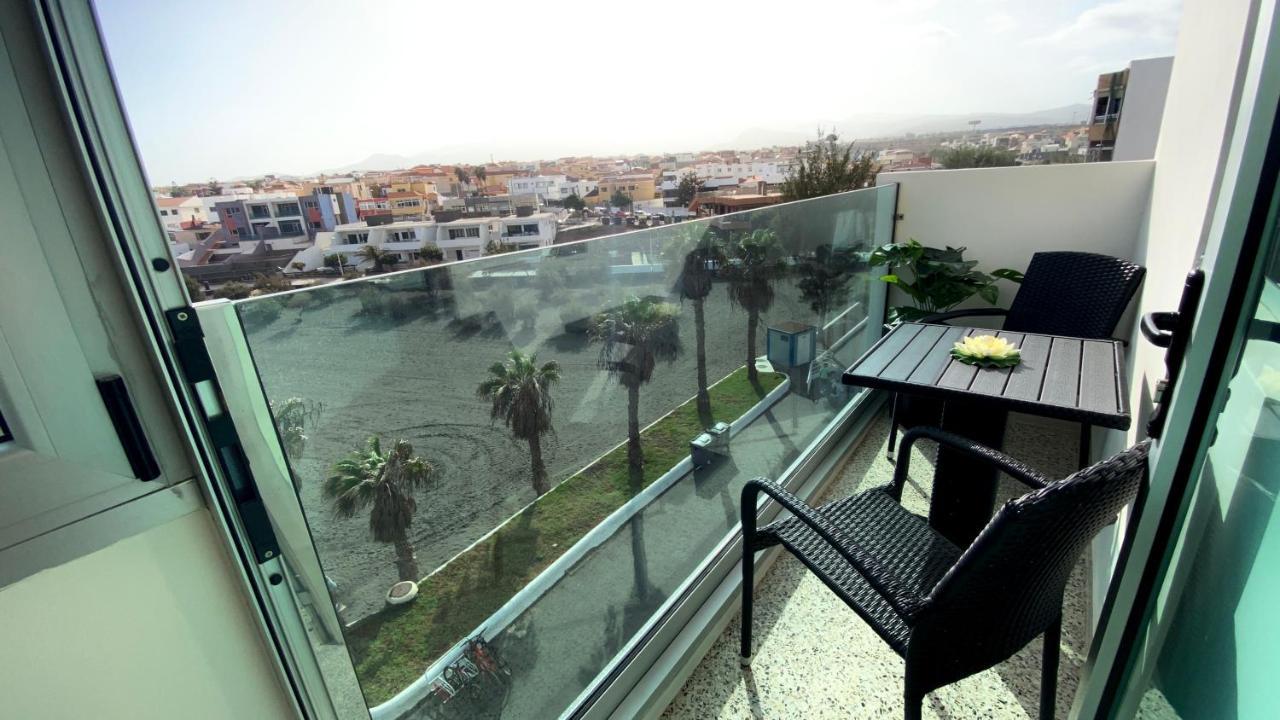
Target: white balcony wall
[[1208, 75], [1005, 215], [1199, 111]]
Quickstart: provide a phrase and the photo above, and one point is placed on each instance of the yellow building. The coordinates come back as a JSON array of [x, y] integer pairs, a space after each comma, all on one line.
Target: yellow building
[[495, 179], [408, 205], [637, 186], [357, 188], [422, 187]]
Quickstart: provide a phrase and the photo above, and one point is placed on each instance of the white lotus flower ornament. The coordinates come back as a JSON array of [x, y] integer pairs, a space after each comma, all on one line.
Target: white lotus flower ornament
[[987, 351]]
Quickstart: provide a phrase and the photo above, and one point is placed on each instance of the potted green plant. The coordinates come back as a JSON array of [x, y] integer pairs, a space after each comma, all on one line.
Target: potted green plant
[[935, 279]]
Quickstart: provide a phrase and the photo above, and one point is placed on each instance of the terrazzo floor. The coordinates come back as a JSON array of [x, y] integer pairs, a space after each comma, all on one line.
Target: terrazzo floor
[[816, 659]]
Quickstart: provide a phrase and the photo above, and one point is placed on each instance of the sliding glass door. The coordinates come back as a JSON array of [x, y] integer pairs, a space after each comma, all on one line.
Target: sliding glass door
[[1213, 644]]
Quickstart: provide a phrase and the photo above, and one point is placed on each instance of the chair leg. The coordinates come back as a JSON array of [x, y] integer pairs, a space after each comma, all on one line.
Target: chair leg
[[748, 587], [893, 428], [1083, 459], [912, 699], [1049, 670]]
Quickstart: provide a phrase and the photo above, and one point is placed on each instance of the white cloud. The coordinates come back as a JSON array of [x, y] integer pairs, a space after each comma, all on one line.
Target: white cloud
[[933, 32], [1116, 22], [1000, 23]]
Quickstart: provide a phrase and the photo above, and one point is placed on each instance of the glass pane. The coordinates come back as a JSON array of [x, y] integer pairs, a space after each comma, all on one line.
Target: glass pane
[[549, 505], [1213, 634]]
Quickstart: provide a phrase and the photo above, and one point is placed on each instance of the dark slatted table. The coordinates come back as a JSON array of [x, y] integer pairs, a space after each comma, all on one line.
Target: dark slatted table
[[1059, 377]]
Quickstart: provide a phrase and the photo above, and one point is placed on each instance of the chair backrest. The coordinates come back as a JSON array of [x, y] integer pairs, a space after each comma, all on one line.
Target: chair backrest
[[1008, 586], [1073, 293]]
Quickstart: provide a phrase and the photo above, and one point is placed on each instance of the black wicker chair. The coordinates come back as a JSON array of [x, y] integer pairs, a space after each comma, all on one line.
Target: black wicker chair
[[1077, 294], [948, 611]]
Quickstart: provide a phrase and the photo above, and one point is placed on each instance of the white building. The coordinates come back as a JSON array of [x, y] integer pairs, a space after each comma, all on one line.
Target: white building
[[458, 240], [1143, 111], [550, 187], [174, 211], [207, 203], [774, 172]]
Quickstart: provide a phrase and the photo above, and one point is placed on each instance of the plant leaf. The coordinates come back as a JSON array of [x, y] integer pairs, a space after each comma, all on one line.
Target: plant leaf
[[1008, 274]]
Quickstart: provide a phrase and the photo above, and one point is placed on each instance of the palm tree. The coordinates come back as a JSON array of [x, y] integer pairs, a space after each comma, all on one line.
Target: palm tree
[[694, 252], [379, 257], [755, 264], [520, 393], [635, 337], [824, 282], [385, 484], [463, 178], [480, 174]]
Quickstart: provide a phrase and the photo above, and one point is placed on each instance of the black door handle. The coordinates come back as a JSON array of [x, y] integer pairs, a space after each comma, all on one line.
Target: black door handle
[[125, 420], [1172, 331], [1158, 328]]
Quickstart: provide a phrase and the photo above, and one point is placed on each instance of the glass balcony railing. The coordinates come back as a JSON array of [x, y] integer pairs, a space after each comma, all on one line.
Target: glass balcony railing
[[549, 443]]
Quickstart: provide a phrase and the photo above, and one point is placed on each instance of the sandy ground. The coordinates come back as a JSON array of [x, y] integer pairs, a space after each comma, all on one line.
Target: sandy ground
[[416, 379]]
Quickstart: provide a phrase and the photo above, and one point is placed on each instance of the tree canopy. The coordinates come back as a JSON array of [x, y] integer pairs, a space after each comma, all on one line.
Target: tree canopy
[[687, 188], [620, 199], [975, 157], [828, 166]]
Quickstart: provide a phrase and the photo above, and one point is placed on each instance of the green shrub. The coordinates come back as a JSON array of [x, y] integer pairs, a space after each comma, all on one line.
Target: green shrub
[[267, 284], [233, 291], [194, 291]]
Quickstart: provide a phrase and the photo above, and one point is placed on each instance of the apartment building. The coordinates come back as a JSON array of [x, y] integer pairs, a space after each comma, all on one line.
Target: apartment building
[[1135, 95], [174, 211], [326, 207], [550, 188], [406, 205], [285, 216], [413, 185], [487, 205], [637, 186], [461, 239], [356, 187], [263, 218], [495, 179], [774, 172]]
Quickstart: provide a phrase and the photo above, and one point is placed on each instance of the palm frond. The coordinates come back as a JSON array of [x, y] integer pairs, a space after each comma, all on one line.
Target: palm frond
[[520, 394]]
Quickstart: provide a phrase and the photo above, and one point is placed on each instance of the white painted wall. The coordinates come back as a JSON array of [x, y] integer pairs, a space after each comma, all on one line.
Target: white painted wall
[[154, 626], [1199, 109], [1005, 215], [1144, 99]]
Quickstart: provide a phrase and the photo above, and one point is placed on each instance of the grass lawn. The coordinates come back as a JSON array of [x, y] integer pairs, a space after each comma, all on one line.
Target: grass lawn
[[393, 647]]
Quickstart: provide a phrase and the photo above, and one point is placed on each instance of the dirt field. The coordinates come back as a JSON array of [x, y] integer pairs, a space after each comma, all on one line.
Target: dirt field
[[415, 378]]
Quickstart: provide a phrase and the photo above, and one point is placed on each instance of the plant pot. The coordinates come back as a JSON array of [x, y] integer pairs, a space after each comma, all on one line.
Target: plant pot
[[402, 592]]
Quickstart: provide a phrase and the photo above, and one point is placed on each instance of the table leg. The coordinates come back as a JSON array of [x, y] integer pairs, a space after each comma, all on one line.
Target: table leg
[[964, 489], [912, 411]]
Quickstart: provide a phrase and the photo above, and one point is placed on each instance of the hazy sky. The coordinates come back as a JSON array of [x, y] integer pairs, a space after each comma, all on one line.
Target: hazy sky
[[242, 87]]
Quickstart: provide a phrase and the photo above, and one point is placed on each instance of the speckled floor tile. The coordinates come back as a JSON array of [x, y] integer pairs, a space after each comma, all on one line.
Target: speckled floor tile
[[816, 659]]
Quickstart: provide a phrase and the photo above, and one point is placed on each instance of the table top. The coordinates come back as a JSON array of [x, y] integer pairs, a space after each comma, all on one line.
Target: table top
[[1061, 377]]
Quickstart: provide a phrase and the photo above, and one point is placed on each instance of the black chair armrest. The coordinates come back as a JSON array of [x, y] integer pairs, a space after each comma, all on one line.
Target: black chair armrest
[[1014, 467], [878, 578], [971, 312]]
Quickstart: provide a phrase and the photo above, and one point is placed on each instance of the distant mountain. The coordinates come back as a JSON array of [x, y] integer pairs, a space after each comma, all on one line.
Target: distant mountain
[[444, 155], [878, 125], [858, 127], [377, 161]]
